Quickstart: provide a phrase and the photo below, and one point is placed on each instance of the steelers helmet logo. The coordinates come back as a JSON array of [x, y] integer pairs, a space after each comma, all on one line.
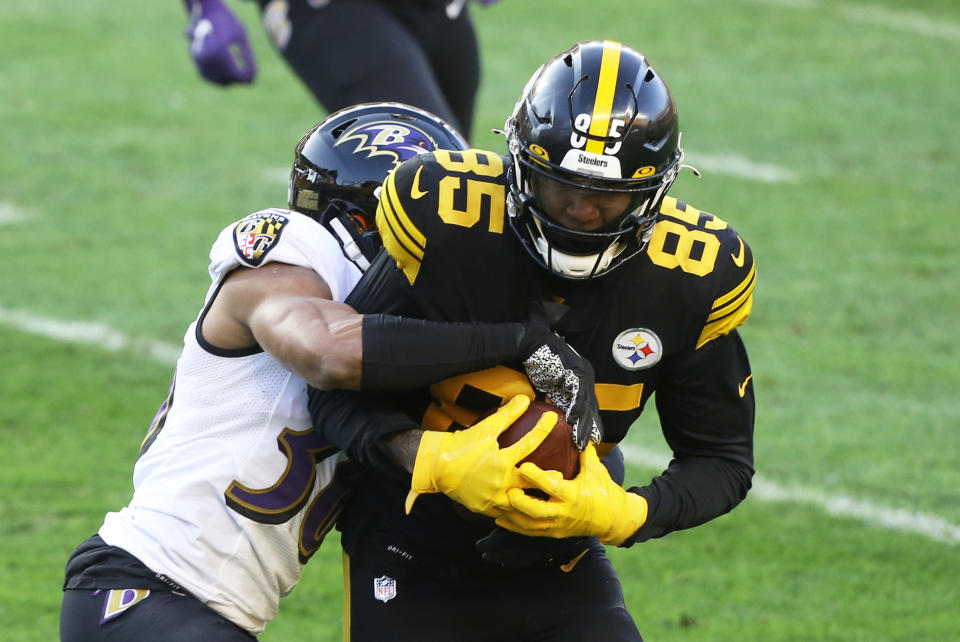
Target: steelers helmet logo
[[636, 349]]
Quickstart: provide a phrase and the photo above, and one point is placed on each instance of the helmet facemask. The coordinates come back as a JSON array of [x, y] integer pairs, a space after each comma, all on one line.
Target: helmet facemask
[[582, 254]]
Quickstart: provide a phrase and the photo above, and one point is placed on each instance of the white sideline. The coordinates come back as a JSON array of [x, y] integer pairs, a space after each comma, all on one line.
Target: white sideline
[[896, 519], [931, 526]]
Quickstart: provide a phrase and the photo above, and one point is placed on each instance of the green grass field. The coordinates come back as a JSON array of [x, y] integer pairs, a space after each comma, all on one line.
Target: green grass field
[[828, 136]]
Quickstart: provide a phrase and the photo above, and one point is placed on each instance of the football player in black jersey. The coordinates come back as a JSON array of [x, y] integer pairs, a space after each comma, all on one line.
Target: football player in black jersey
[[420, 52], [573, 227]]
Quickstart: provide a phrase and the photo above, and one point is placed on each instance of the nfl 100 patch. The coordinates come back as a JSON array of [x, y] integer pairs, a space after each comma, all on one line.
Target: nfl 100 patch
[[255, 235], [636, 349]]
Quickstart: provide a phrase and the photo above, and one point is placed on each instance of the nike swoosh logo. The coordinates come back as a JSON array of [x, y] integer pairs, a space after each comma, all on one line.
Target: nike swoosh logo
[[742, 388], [415, 191], [566, 568], [738, 258]]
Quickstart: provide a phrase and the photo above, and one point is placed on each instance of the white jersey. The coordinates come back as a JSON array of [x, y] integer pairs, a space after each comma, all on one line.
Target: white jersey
[[234, 490]]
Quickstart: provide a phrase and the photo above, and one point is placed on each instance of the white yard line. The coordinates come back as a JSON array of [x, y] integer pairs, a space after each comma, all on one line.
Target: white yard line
[[736, 165], [95, 334], [844, 506], [9, 213], [931, 526], [278, 175], [911, 21]]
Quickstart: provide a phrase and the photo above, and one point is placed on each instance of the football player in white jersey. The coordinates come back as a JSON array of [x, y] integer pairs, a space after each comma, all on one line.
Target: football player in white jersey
[[233, 489]]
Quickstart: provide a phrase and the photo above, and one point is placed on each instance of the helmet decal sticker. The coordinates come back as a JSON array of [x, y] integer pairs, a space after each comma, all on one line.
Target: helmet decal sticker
[[591, 164], [648, 170], [255, 235], [637, 349], [583, 123], [539, 151], [606, 88], [390, 138]]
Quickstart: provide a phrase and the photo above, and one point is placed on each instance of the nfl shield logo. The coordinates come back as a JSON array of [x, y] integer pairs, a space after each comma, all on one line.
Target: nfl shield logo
[[384, 588]]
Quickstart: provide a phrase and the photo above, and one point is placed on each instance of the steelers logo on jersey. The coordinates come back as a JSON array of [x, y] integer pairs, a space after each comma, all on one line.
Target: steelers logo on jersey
[[255, 235], [636, 349]]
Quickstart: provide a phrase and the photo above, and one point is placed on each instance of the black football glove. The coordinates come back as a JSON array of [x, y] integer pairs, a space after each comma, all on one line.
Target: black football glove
[[511, 550], [564, 377]]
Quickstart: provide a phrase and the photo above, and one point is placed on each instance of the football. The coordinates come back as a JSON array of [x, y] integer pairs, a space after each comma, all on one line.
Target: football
[[557, 451]]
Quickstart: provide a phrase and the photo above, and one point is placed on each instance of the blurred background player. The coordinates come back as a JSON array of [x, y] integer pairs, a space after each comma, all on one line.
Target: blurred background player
[[648, 288], [233, 489], [420, 52]]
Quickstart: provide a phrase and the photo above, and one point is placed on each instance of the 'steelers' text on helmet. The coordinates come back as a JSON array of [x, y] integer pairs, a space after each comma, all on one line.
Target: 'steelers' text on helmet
[[340, 163], [596, 117]]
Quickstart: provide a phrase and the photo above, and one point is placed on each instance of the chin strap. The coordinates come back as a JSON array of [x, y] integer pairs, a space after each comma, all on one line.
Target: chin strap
[[348, 243]]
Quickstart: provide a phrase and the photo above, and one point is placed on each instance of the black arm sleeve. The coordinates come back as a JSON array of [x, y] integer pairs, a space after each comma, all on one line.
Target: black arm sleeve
[[401, 353], [355, 422], [706, 408]]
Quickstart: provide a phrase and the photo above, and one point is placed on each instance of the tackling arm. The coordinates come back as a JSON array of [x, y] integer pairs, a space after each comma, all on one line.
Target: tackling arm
[[287, 310]]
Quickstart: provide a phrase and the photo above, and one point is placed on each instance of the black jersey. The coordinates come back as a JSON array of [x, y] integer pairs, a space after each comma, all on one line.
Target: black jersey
[[665, 321]]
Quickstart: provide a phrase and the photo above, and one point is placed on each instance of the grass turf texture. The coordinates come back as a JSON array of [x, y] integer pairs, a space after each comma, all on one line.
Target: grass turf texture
[[125, 166]]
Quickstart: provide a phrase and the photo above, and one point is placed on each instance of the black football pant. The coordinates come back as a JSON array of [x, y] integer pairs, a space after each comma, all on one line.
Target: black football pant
[[409, 51], [122, 615], [389, 601]]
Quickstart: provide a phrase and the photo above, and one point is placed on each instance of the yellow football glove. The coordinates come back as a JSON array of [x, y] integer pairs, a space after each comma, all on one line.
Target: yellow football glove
[[589, 504], [469, 466]]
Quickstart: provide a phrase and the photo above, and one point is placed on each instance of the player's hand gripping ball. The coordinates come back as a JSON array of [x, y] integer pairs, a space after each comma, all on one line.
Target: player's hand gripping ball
[[557, 451]]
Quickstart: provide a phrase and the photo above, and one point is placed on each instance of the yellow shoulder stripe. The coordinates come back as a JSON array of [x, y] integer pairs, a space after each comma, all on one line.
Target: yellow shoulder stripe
[[404, 242], [730, 310], [732, 299]]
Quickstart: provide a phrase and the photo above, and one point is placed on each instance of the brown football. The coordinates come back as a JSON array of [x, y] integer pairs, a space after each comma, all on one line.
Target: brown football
[[557, 451]]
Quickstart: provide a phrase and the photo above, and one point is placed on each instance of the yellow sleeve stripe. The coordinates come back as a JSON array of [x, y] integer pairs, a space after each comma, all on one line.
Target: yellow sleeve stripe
[[403, 240], [730, 310], [606, 87], [735, 297], [726, 325], [414, 236], [611, 396]]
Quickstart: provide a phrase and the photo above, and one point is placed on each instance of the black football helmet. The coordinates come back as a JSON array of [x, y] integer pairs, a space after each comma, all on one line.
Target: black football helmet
[[340, 163], [596, 117]]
